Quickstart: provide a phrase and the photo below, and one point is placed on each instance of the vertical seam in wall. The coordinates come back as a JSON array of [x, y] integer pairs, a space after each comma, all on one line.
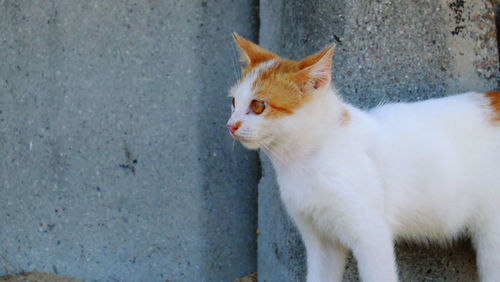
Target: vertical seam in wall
[[257, 36], [496, 7], [282, 25], [257, 20], [258, 160]]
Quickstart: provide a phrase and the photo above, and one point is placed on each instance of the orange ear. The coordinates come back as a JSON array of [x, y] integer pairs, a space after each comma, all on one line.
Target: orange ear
[[251, 53], [315, 70]]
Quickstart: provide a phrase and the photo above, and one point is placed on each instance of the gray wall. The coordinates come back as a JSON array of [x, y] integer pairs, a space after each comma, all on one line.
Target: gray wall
[[115, 163], [114, 160], [386, 51]]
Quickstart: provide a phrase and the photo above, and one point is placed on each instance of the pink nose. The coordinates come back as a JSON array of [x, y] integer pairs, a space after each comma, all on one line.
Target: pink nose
[[233, 127]]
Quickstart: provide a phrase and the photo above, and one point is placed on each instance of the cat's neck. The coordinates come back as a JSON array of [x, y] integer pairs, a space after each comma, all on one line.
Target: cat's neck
[[314, 124]]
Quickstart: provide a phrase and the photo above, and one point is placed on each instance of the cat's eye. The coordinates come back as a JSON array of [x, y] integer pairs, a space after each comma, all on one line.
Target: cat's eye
[[258, 106], [234, 103]]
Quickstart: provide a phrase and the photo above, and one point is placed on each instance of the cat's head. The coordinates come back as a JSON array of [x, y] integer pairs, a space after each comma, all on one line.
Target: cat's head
[[268, 98]]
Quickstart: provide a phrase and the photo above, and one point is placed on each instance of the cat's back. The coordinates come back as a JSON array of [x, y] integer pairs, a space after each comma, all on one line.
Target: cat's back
[[467, 107], [442, 152], [464, 117]]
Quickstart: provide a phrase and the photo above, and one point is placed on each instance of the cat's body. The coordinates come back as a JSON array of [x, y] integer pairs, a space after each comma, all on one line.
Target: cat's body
[[415, 171], [360, 180]]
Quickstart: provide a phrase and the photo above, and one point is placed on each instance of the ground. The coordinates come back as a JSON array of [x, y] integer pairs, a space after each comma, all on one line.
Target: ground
[[37, 277]]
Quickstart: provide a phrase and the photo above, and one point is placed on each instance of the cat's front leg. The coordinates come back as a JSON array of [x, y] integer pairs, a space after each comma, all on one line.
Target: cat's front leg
[[325, 258], [374, 253]]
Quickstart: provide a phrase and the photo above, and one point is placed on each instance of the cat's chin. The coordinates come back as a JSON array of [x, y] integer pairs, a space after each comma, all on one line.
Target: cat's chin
[[249, 144]]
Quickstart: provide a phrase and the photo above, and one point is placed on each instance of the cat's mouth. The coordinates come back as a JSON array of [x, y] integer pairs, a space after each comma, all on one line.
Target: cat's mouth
[[251, 143], [241, 138], [247, 142]]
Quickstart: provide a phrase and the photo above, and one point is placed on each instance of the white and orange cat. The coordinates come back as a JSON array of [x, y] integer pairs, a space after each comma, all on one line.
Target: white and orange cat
[[358, 180]]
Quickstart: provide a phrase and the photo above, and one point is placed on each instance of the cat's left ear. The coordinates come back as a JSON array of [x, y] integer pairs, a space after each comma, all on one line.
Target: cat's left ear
[[251, 53], [315, 70]]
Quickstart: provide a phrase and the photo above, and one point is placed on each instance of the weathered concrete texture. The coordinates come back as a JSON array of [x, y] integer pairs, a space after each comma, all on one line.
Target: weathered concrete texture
[[386, 51], [115, 164]]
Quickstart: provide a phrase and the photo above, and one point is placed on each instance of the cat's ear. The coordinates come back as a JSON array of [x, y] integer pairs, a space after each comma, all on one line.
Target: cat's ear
[[315, 70], [251, 53]]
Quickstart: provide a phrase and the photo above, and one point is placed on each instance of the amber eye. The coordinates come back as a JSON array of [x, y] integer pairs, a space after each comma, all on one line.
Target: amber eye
[[234, 103], [258, 106]]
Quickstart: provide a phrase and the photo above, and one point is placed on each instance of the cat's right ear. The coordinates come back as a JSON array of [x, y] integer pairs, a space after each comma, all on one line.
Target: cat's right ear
[[315, 70], [250, 53]]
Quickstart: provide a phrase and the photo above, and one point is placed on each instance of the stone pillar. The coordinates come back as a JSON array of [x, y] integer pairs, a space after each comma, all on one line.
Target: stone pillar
[[115, 163]]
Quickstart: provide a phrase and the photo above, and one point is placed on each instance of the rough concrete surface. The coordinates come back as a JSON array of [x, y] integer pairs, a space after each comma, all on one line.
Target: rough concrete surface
[[386, 51], [115, 164]]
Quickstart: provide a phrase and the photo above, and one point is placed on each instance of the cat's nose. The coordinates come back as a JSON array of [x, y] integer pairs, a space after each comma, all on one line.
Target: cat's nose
[[233, 127]]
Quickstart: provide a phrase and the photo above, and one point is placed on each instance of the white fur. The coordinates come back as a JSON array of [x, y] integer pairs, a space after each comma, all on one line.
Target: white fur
[[422, 171]]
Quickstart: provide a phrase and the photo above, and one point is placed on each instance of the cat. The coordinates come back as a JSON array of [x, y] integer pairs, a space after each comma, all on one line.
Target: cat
[[359, 180]]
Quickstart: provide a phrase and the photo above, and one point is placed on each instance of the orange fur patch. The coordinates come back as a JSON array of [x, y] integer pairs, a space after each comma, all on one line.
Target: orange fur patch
[[494, 97], [346, 117], [285, 85], [276, 86], [251, 54], [237, 125]]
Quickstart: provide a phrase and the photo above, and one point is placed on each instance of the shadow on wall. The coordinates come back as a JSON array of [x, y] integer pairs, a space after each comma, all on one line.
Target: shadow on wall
[[230, 173]]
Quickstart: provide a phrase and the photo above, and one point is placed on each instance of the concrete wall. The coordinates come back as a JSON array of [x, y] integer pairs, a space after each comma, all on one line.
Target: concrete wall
[[115, 163], [386, 51]]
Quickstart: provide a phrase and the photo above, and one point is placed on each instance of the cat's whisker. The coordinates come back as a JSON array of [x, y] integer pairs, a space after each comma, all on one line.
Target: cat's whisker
[[271, 152], [279, 158], [235, 63], [267, 147]]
